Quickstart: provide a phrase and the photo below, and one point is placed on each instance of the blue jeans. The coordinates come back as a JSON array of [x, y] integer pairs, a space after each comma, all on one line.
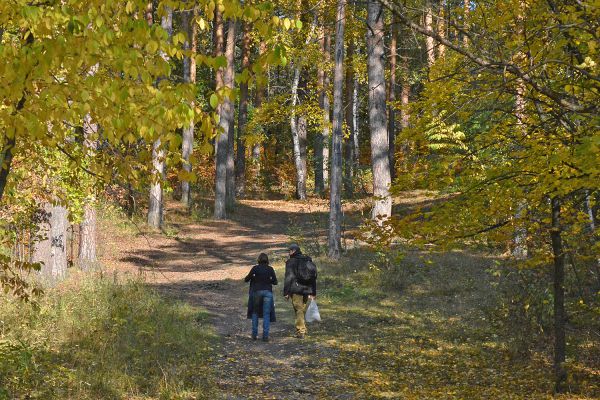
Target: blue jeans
[[266, 297]]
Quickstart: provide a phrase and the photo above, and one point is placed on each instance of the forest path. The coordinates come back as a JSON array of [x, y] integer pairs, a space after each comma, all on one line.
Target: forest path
[[204, 263]]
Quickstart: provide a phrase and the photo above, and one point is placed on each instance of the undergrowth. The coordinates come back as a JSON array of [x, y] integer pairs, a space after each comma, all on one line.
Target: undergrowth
[[96, 339], [429, 326]]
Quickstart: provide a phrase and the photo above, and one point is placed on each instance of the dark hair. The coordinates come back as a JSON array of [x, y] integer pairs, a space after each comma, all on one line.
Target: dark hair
[[263, 258]]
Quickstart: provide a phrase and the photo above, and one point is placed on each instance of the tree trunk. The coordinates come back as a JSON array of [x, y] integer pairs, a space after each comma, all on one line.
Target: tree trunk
[[429, 43], [229, 113], [441, 28], [349, 108], [560, 373], [189, 76], [87, 227], [87, 239], [355, 126], [382, 208], [51, 250], [6, 158], [318, 144], [298, 128], [8, 149], [258, 99], [392, 99], [221, 142], [335, 203], [155, 204], [467, 8], [326, 111], [240, 166]]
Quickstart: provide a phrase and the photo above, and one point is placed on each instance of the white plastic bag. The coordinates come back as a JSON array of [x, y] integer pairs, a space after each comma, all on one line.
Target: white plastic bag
[[312, 312]]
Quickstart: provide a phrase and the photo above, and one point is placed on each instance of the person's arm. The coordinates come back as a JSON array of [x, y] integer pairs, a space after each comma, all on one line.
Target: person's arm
[[314, 287], [273, 277], [289, 278], [249, 276]]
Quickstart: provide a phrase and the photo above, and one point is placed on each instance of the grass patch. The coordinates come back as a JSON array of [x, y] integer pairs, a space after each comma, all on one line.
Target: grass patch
[[422, 330], [93, 339]]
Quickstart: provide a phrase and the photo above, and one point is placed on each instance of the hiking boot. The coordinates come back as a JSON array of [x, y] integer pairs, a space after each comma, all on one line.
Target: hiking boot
[[265, 339], [254, 337]]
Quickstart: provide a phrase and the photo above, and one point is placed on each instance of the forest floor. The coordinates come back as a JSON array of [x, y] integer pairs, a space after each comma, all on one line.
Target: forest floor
[[383, 335]]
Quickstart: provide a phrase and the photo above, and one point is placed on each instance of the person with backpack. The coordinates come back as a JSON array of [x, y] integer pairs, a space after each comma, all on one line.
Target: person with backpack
[[300, 285], [260, 299]]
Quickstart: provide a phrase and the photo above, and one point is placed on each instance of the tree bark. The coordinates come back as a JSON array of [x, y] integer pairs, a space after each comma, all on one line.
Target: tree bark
[[326, 133], [441, 27], [382, 208], [240, 166], [349, 111], [221, 142], [8, 149], [429, 41], [258, 99], [155, 204], [87, 227], [299, 136], [51, 250], [229, 113], [392, 99], [335, 202], [560, 373], [189, 76], [87, 239], [318, 144]]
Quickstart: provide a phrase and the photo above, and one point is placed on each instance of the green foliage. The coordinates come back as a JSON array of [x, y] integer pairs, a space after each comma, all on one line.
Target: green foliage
[[95, 339]]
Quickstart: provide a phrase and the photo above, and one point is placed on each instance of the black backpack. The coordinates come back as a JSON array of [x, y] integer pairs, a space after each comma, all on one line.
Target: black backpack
[[306, 271]]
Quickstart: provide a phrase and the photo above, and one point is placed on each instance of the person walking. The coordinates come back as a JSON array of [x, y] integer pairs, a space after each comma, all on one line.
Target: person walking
[[260, 299], [300, 285]]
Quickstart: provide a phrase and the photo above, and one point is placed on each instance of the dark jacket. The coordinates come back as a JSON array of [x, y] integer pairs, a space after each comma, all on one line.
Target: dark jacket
[[291, 284], [258, 277], [261, 277]]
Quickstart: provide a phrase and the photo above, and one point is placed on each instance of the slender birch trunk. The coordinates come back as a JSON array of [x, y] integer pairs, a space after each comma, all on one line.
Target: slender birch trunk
[[382, 208], [441, 28], [335, 205], [155, 203]]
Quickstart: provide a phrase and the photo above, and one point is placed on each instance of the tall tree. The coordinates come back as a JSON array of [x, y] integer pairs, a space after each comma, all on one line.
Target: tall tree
[[155, 202], [326, 132], [335, 193], [382, 207], [189, 76], [318, 143], [240, 165], [221, 142], [228, 112]]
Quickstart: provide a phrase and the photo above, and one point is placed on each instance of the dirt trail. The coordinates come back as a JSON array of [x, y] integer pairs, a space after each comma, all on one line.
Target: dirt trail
[[204, 264]]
